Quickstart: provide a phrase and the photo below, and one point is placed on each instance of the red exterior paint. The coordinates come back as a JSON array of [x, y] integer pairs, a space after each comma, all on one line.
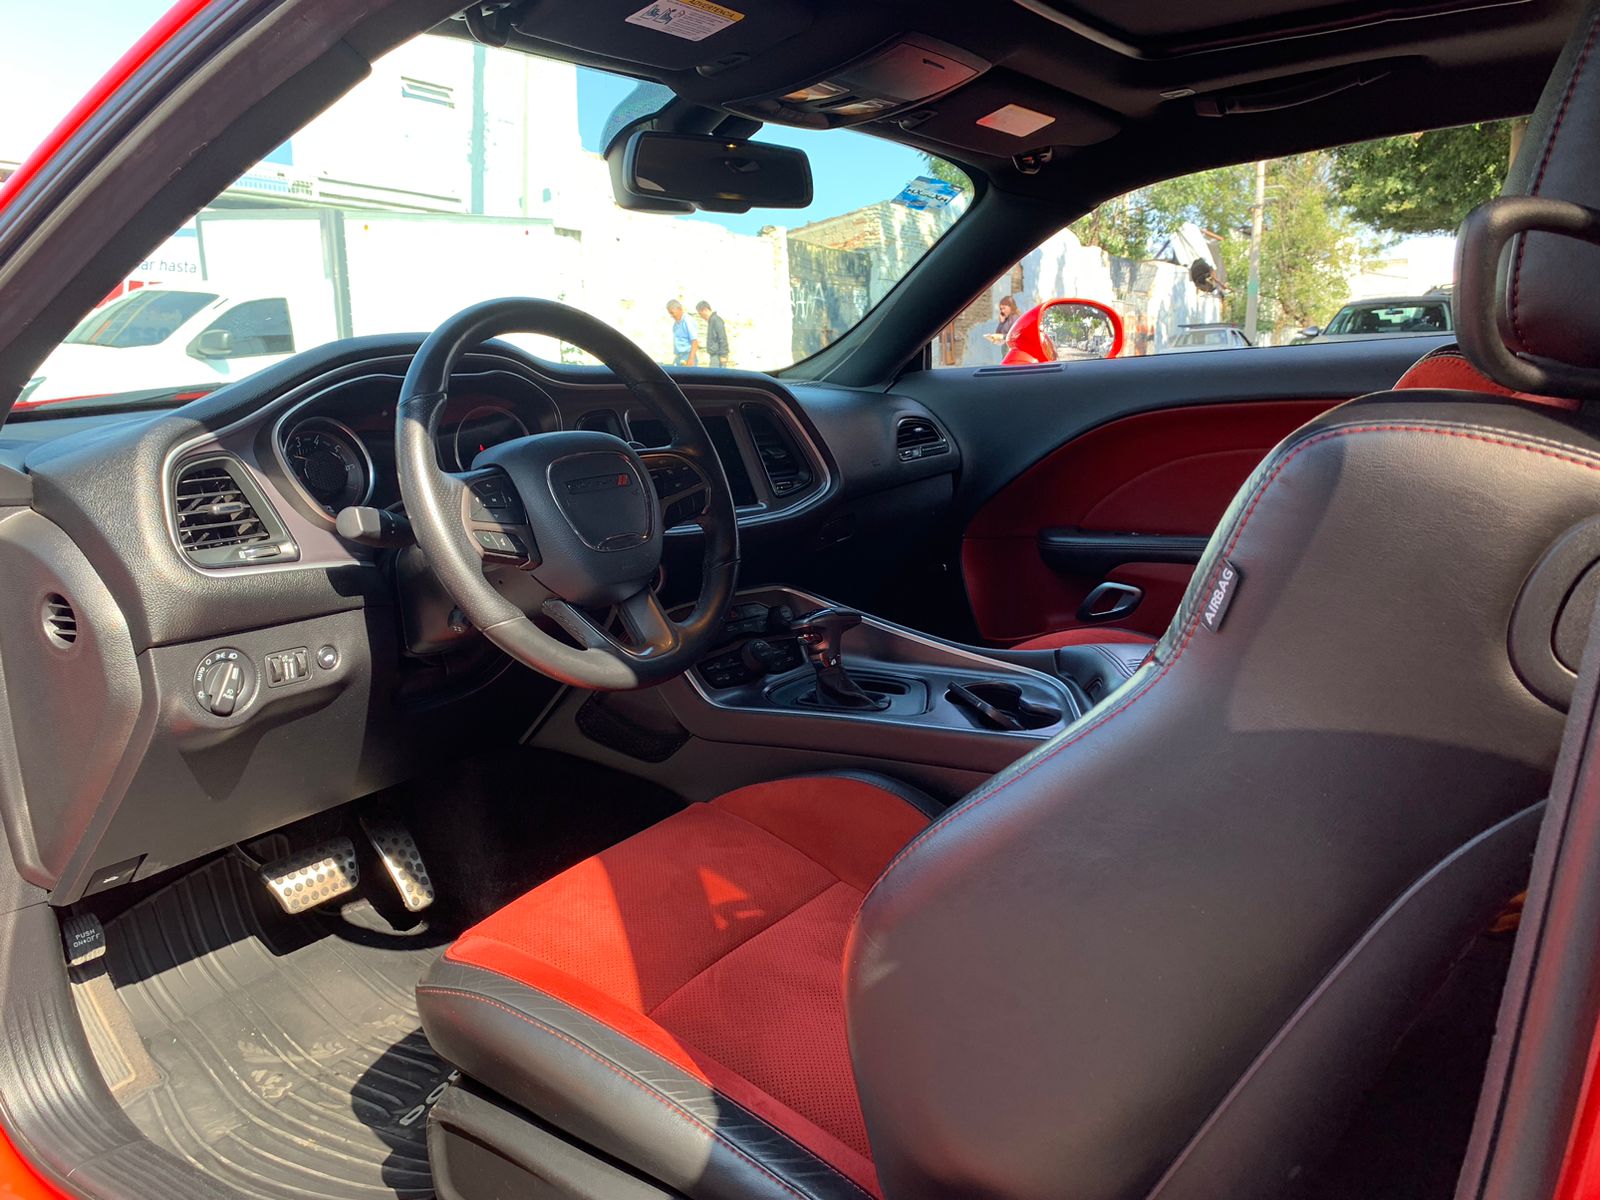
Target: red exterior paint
[[1026, 342], [1580, 1173], [1170, 471], [174, 19], [18, 1180]]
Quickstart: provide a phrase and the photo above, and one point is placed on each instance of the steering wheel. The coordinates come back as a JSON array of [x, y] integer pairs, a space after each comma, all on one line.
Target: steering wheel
[[576, 509]]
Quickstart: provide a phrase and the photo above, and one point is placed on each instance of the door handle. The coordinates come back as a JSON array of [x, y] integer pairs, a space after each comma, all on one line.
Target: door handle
[[1108, 602]]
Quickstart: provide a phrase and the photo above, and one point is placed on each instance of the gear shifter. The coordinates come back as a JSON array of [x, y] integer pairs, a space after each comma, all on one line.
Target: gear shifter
[[822, 634]]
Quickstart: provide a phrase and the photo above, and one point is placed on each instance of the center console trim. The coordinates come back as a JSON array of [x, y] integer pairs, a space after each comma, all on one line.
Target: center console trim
[[701, 711]]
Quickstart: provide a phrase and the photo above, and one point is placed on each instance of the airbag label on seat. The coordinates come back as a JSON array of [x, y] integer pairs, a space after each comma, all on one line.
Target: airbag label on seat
[[1220, 596]]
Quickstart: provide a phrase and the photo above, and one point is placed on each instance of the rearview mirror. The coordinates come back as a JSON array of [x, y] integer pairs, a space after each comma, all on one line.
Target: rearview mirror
[[712, 173]]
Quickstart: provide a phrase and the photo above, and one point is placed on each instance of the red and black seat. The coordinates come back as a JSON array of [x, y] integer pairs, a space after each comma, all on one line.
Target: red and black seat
[[1161, 956], [692, 974]]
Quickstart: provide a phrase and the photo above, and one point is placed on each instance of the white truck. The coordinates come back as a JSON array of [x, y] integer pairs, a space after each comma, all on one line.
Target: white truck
[[297, 278]]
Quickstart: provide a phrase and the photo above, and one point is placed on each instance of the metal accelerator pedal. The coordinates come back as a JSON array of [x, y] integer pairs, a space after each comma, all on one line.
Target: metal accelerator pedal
[[398, 851], [311, 877]]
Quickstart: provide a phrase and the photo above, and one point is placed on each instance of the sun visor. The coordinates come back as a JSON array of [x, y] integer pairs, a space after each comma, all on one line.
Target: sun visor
[[1005, 114], [671, 35]]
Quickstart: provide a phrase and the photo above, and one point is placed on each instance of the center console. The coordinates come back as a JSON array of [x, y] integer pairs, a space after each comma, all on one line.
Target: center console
[[793, 670]]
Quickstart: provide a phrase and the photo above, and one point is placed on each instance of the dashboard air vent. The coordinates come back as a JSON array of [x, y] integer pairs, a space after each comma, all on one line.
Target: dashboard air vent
[[222, 520], [60, 621], [602, 420], [918, 437], [781, 459]]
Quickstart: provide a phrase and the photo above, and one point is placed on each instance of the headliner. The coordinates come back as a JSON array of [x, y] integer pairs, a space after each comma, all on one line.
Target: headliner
[[1100, 67]]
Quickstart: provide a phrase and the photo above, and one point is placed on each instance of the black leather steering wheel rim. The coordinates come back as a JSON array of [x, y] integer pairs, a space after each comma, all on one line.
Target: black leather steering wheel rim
[[434, 501]]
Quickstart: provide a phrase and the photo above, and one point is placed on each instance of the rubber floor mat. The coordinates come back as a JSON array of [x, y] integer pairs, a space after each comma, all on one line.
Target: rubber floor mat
[[290, 1061]]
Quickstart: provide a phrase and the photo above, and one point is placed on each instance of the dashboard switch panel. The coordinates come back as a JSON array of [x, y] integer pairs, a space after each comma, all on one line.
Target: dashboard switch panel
[[288, 666], [746, 654]]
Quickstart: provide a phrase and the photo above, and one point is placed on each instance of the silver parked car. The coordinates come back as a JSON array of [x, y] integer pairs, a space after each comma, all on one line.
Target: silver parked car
[[1214, 336], [1388, 316]]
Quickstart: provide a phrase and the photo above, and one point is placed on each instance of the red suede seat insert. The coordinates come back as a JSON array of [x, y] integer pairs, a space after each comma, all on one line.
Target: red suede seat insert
[[716, 940]]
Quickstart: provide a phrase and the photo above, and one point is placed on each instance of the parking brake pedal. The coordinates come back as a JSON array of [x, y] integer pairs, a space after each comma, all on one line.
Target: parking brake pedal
[[401, 858], [311, 877]]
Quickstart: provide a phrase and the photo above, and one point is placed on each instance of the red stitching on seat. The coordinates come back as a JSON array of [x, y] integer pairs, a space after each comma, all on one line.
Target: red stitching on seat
[[670, 1105], [1538, 180], [962, 809]]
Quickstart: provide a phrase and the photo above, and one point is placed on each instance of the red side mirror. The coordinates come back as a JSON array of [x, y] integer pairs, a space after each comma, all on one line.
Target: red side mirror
[[1066, 329]]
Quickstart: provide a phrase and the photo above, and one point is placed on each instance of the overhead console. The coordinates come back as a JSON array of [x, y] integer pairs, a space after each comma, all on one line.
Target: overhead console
[[899, 75]]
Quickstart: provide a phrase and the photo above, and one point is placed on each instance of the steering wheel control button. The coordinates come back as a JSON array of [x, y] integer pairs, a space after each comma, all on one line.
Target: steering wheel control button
[[501, 544], [223, 682], [311, 877], [328, 657], [494, 499], [288, 666], [398, 852]]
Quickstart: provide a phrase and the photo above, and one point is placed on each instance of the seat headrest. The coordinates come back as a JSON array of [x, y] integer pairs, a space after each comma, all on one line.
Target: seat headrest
[[1545, 285]]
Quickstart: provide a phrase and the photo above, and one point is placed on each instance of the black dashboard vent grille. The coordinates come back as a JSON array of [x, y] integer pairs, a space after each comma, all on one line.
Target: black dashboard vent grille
[[780, 458], [221, 520], [60, 621], [918, 437], [602, 420]]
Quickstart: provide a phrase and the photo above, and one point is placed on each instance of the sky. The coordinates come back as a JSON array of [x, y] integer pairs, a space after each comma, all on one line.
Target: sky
[[50, 60]]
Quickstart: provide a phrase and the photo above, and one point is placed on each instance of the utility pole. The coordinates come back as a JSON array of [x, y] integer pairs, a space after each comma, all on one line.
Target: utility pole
[[1252, 288]]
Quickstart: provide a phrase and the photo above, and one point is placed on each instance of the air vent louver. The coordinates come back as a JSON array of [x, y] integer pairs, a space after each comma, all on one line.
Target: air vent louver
[[60, 621], [918, 437], [221, 520], [786, 469]]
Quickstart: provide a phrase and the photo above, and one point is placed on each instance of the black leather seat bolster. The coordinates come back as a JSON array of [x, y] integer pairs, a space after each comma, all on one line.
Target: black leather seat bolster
[[1182, 868], [1339, 1031], [519, 1041]]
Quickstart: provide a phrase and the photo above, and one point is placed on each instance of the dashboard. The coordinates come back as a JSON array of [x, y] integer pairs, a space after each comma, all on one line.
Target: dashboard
[[335, 447], [185, 543]]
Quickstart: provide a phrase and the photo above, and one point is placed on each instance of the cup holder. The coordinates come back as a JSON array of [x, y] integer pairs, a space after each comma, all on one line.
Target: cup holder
[[998, 704]]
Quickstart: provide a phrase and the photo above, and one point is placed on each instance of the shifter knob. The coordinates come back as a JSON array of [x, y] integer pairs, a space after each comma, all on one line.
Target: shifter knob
[[822, 632]]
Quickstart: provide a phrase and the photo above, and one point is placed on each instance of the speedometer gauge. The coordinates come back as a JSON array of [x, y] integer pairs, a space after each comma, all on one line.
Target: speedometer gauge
[[485, 426], [330, 462]]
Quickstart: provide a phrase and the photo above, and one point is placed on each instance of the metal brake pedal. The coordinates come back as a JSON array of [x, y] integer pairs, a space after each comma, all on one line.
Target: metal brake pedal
[[397, 849], [313, 876]]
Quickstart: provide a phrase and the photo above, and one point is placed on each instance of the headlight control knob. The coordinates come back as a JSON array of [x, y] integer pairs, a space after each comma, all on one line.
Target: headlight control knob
[[223, 682]]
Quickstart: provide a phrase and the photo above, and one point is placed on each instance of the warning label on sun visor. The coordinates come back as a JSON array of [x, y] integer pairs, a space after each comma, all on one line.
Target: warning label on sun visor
[[693, 20]]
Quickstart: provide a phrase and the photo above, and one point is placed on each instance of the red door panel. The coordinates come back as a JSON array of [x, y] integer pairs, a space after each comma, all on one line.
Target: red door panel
[[1171, 471]]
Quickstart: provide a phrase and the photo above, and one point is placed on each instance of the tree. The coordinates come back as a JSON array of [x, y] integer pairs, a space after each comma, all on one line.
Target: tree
[[1423, 182], [1310, 246], [947, 172]]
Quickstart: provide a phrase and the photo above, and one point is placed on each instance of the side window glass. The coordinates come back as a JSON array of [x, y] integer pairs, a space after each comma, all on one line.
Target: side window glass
[[1340, 245], [245, 330]]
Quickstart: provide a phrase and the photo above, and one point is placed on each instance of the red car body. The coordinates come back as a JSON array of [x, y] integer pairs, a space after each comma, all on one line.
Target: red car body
[[1028, 343]]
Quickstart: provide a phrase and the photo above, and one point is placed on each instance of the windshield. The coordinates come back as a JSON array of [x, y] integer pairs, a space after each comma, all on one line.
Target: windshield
[[456, 173]]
